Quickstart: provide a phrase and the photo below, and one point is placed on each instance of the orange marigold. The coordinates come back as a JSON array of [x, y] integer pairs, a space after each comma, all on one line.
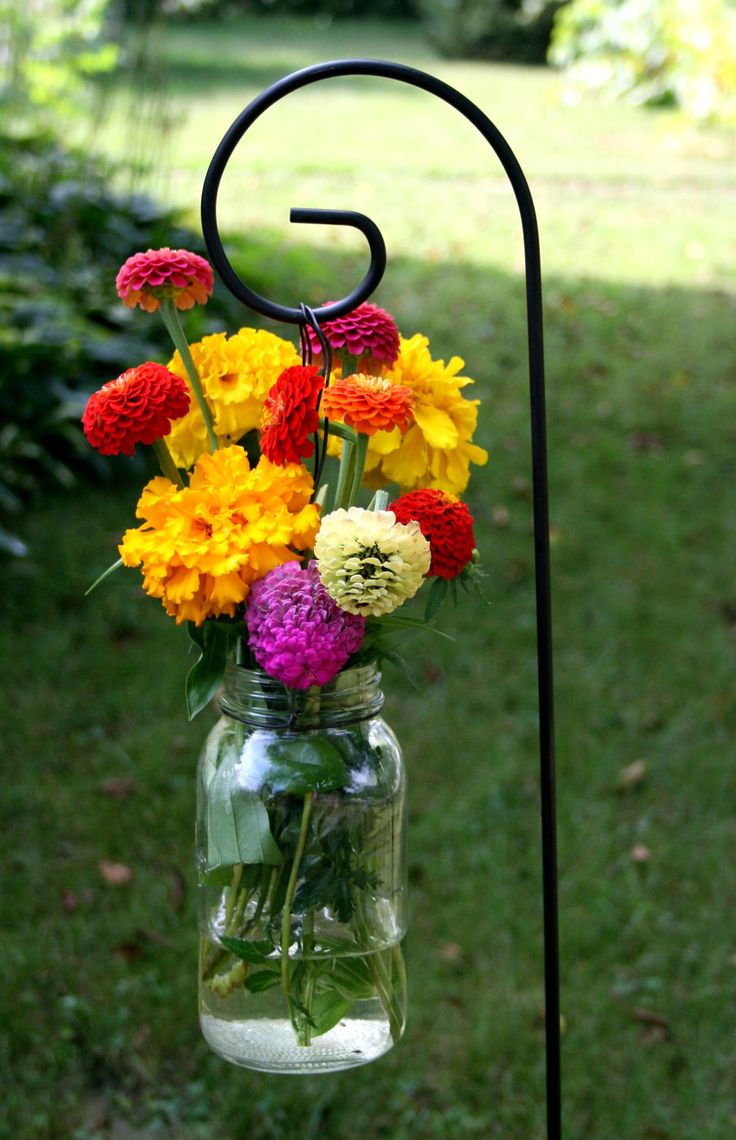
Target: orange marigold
[[146, 278], [137, 407], [201, 547], [369, 403], [290, 414]]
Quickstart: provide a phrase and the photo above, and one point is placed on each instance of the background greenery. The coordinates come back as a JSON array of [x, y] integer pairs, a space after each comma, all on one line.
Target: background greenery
[[99, 1036]]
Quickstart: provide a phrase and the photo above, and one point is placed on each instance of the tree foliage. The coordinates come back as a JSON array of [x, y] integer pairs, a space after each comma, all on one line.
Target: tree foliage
[[48, 49], [511, 30], [655, 52]]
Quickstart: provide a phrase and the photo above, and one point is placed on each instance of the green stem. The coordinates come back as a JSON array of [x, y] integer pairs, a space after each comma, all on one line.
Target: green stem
[[305, 1034], [380, 967], [338, 429], [232, 894], [166, 462], [263, 892], [385, 988], [170, 315], [361, 450], [290, 892], [345, 475]]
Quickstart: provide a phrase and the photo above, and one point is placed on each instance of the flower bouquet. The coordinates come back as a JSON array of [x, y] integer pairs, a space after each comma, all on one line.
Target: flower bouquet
[[292, 592]]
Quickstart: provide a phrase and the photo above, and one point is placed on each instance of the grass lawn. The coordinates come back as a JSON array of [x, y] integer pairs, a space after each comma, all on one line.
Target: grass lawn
[[639, 240]]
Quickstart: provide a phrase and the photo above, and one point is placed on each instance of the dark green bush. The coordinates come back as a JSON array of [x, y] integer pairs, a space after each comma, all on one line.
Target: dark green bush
[[508, 30], [145, 10], [63, 235]]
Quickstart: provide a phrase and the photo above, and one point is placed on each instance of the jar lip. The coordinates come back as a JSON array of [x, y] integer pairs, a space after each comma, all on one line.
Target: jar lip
[[254, 697], [345, 678]]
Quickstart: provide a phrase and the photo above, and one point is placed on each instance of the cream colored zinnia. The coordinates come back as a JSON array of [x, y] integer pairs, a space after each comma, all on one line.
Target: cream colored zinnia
[[368, 562]]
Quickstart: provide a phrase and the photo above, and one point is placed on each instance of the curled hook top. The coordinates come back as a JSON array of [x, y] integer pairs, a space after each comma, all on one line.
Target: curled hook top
[[210, 229], [473, 114], [337, 69]]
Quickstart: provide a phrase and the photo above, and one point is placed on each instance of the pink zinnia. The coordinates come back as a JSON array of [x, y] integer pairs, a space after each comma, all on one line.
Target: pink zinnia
[[137, 407], [368, 332], [146, 278], [297, 633]]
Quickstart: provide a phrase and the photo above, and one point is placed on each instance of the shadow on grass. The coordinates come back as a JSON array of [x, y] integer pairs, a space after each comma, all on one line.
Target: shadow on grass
[[256, 53], [98, 1002]]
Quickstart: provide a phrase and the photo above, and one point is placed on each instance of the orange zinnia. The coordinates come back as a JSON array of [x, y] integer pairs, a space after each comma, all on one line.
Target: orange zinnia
[[368, 403]]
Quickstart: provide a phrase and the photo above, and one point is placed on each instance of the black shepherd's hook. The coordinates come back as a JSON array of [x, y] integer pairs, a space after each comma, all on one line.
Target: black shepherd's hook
[[399, 71]]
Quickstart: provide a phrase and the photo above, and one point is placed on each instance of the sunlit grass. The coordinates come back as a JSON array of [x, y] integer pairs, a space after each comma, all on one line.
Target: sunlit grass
[[621, 193]]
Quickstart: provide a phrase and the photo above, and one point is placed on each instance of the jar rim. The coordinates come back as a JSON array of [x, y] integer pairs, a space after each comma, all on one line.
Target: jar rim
[[254, 697]]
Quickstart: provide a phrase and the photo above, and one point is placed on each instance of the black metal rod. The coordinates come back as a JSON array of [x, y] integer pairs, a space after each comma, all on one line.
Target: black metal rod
[[415, 78]]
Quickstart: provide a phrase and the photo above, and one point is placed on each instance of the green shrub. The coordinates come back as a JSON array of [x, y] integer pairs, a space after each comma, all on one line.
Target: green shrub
[[48, 49], [511, 30], [656, 52], [63, 235], [145, 10]]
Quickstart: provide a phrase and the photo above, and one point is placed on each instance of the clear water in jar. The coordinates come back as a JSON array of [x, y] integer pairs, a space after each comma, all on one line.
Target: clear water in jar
[[256, 1030]]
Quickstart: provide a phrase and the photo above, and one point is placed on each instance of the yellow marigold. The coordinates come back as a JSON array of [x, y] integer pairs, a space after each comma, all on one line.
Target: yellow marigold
[[236, 374], [202, 546], [437, 449]]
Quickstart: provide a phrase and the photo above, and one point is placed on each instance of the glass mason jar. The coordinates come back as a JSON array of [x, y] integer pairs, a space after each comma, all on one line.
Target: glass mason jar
[[301, 875]]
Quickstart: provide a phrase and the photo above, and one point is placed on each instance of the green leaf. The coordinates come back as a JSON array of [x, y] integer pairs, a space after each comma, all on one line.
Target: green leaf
[[262, 980], [238, 827], [301, 764], [105, 574], [255, 951], [352, 979], [435, 598], [205, 676], [327, 1009], [396, 621]]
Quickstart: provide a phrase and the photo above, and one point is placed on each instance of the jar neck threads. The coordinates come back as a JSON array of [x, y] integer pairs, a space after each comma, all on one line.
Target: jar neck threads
[[251, 696]]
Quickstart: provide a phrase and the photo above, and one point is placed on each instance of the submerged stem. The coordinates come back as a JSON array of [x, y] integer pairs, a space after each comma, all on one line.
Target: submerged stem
[[305, 1032], [290, 892]]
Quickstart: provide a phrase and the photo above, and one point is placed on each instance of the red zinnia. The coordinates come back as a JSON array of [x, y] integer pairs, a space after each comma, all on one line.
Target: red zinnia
[[290, 415], [368, 332], [138, 407], [447, 525], [146, 278]]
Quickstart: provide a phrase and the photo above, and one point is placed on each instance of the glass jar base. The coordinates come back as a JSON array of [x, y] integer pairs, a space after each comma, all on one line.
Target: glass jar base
[[267, 1044]]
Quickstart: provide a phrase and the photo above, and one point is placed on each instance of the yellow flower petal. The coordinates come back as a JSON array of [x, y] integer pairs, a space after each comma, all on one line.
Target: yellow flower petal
[[437, 450], [201, 547]]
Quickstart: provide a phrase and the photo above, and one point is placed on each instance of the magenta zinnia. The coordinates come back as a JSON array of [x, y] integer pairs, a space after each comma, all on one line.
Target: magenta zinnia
[[368, 332], [137, 407], [147, 278], [298, 634]]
